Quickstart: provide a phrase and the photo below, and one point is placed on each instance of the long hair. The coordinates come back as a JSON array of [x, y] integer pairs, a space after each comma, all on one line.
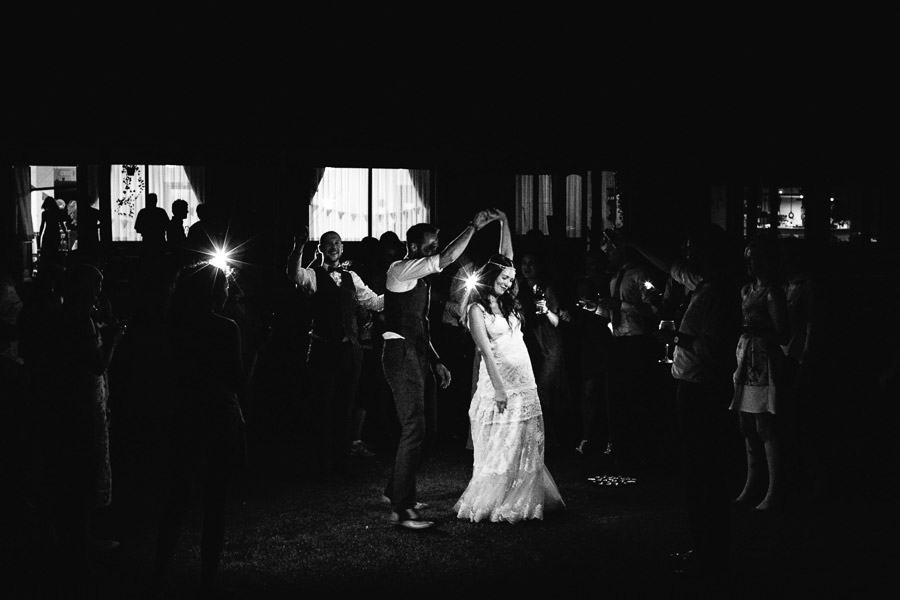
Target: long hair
[[484, 287]]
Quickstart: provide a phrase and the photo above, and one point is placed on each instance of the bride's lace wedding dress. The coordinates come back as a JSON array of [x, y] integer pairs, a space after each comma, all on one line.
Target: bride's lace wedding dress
[[509, 480]]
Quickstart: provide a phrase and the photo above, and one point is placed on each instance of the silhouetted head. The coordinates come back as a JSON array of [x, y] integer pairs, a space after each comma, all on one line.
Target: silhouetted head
[[152, 199], [761, 256], [391, 247], [533, 266], [180, 209], [81, 287], [199, 288], [595, 264], [421, 240], [708, 250]]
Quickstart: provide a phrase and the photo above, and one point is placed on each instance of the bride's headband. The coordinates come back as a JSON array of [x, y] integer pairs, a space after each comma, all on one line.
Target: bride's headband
[[490, 262], [471, 282]]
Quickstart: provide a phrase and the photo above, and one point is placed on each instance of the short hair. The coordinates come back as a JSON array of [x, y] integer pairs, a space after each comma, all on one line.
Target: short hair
[[416, 234], [152, 198], [322, 237], [179, 203]]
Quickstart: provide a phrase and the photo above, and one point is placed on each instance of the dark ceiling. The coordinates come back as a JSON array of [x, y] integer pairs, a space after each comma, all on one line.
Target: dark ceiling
[[216, 82]]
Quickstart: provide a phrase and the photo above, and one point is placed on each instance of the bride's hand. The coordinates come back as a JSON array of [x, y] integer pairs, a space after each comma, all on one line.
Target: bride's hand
[[500, 400]]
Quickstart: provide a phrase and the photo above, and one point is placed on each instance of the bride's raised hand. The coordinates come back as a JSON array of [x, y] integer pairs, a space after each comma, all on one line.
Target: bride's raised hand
[[500, 400]]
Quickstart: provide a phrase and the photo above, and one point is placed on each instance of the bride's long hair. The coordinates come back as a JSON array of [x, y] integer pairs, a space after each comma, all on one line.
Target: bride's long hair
[[484, 287]]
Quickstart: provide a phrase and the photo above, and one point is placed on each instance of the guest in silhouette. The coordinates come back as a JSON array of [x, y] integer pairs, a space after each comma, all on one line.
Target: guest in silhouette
[[208, 432], [457, 349], [88, 229], [78, 358], [335, 354], [594, 339], [541, 309], [12, 372], [208, 233], [760, 371], [151, 222], [807, 414], [704, 366], [387, 426], [368, 266], [633, 356], [53, 232], [175, 234]]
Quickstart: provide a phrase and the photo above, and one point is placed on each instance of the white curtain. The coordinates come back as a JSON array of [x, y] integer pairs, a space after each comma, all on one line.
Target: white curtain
[[130, 184], [400, 198], [573, 206], [341, 204], [525, 202]]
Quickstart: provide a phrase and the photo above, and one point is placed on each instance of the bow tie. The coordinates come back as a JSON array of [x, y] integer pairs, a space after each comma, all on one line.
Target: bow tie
[[332, 268]]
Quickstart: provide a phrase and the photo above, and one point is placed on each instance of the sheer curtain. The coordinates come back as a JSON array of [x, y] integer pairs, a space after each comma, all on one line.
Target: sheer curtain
[[574, 206], [130, 184], [400, 198], [24, 216], [341, 204], [533, 193]]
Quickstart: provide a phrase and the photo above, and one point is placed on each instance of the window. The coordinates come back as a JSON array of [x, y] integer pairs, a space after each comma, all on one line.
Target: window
[[130, 184], [534, 202], [360, 202], [59, 183]]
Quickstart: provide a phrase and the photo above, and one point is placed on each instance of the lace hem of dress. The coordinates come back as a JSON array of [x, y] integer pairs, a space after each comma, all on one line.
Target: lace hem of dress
[[521, 405], [499, 497]]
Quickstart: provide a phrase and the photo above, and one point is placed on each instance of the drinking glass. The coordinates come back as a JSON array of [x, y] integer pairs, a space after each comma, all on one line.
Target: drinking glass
[[538, 296], [667, 353]]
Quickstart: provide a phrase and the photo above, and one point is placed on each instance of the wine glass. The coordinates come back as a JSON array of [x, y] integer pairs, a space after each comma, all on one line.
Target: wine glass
[[538, 296], [667, 354]]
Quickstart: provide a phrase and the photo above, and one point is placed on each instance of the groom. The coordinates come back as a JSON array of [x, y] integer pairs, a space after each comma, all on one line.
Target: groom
[[409, 360]]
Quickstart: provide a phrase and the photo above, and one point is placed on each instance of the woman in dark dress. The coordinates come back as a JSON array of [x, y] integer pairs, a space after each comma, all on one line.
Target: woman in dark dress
[[207, 422], [541, 309]]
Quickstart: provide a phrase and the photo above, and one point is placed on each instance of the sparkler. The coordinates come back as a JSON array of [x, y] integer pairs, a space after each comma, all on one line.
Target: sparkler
[[221, 260]]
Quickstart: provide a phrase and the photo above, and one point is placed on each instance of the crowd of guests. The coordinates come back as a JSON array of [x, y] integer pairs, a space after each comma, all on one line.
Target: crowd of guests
[[746, 352], [61, 334]]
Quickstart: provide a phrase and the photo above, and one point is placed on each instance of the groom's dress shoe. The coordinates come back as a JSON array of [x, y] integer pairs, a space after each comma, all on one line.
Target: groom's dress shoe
[[418, 506], [410, 519]]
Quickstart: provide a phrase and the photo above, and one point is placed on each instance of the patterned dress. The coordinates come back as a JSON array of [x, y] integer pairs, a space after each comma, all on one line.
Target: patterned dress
[[759, 361], [509, 480]]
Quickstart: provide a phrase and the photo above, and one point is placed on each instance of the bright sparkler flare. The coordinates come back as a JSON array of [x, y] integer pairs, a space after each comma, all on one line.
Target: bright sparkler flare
[[471, 282], [220, 260], [648, 285]]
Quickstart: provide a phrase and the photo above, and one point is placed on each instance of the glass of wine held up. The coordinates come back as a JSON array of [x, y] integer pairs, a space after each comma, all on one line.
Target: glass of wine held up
[[667, 353], [538, 296]]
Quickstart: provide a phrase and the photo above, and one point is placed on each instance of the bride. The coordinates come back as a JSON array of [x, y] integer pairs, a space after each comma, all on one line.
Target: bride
[[509, 480]]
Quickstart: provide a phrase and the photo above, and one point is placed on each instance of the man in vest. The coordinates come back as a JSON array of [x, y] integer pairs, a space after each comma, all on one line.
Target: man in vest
[[335, 354], [410, 361]]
